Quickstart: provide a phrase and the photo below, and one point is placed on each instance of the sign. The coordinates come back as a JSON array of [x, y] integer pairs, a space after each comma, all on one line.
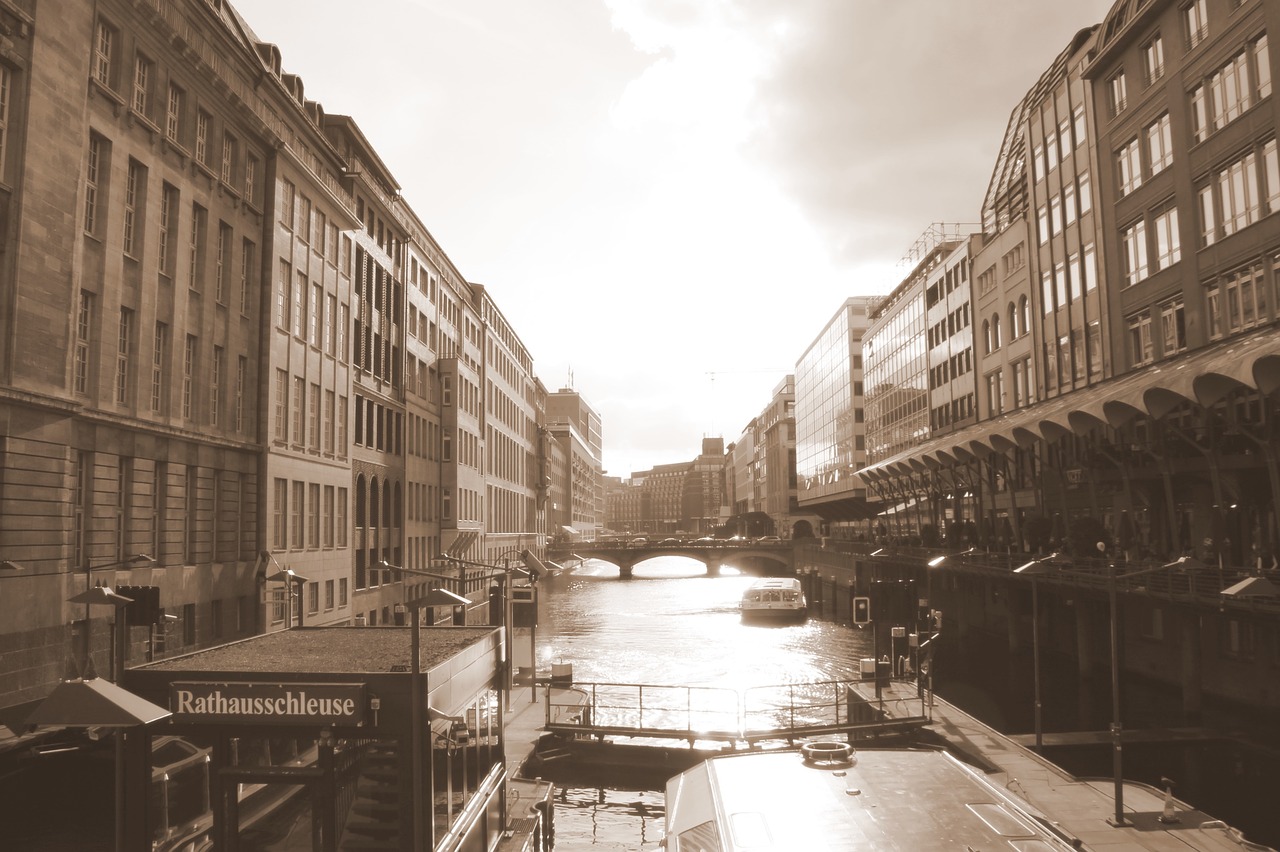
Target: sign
[[268, 703]]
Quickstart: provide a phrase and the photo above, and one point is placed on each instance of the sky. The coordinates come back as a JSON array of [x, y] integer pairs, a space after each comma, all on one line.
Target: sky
[[669, 199]]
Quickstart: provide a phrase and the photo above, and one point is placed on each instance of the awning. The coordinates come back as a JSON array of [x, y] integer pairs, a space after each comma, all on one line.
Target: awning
[[1203, 377], [569, 530], [1252, 587], [94, 703], [462, 541]]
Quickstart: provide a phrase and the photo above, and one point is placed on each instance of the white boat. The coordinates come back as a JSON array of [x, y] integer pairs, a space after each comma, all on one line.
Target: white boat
[[776, 598], [826, 797]]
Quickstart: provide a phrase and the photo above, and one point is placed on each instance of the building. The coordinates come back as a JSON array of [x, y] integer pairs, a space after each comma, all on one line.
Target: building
[[567, 408], [830, 423]]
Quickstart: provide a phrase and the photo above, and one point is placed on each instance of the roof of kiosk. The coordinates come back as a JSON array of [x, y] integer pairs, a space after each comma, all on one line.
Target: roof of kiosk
[[328, 649]]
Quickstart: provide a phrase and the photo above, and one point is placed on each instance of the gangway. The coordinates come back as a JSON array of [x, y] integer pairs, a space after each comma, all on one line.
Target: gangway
[[700, 714]]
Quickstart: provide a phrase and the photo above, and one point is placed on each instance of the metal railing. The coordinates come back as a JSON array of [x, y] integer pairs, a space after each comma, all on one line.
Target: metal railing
[[788, 711]]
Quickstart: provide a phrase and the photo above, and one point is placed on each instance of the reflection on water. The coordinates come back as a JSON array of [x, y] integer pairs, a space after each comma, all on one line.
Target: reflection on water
[[668, 624]]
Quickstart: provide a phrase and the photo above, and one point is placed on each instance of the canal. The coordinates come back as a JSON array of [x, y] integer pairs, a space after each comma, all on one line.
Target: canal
[[672, 624]]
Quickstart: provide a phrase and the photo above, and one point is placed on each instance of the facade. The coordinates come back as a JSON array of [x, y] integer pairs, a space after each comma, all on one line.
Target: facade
[[702, 499], [567, 407], [830, 423], [237, 370]]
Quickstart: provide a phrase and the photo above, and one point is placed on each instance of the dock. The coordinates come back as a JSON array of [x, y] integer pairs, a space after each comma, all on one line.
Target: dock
[[1079, 809]]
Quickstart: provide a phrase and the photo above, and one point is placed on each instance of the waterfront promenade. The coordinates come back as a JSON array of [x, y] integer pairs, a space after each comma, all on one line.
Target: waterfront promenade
[[1080, 809]]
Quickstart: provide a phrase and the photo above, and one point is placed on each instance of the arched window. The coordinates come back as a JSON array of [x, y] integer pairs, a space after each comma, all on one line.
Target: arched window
[[1014, 331], [986, 337], [386, 503], [995, 332], [374, 503], [1024, 309], [360, 501]]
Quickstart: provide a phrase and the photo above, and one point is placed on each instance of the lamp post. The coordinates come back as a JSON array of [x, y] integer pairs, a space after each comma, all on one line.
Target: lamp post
[[292, 581], [90, 597], [1032, 568]]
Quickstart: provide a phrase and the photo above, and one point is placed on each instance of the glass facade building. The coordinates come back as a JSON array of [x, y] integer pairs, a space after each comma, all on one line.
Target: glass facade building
[[830, 443], [897, 395]]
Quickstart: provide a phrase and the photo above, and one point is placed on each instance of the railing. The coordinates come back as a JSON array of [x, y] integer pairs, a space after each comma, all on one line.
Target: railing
[[1201, 584], [782, 711]]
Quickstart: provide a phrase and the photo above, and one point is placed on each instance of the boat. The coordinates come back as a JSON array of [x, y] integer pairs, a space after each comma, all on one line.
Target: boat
[[775, 598], [827, 796]]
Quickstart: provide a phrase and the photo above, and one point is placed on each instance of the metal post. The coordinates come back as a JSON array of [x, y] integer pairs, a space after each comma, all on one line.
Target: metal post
[[1116, 743], [416, 721], [1035, 653], [533, 641]]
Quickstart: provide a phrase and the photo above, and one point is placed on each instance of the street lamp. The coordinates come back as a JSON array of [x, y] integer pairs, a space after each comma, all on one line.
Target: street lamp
[[91, 595], [291, 580], [1031, 569]]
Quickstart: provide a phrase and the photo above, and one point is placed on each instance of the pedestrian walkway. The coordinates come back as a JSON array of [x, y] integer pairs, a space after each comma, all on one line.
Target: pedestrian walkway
[[1080, 809], [528, 799]]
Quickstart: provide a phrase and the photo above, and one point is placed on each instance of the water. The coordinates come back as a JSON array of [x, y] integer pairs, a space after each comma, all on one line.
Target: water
[[671, 624], [668, 624]]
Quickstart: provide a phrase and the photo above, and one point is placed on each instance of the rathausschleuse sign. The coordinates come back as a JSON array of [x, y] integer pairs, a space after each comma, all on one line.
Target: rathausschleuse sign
[[268, 703]]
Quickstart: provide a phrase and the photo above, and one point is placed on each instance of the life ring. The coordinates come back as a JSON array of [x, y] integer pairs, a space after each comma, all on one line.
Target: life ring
[[828, 753]]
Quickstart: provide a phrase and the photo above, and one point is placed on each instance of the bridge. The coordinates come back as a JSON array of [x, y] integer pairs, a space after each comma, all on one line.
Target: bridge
[[768, 557]]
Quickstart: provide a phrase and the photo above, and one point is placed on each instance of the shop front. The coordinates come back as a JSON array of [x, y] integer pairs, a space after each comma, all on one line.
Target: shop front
[[325, 739]]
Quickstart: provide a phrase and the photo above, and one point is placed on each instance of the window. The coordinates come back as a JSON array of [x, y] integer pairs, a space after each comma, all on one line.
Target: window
[[1208, 216], [1046, 291], [1195, 24], [1077, 119], [1140, 347], [104, 44], [159, 349], [248, 257], [995, 393], [1089, 268], [1042, 222], [134, 180], [242, 373], [203, 120], [1055, 215], [299, 409], [282, 295], [313, 315], [142, 74], [1160, 144], [1095, 348], [1086, 196], [313, 515], [1173, 327], [188, 376], [1229, 92], [342, 426], [1051, 151], [124, 350], [280, 514], [331, 319], [313, 436], [229, 148], [288, 201], [1237, 302], [282, 405], [298, 497], [1069, 202], [173, 113], [1165, 225], [1199, 114], [95, 170], [344, 319], [1129, 164], [328, 586], [1064, 136], [1074, 278], [1118, 93], [341, 523], [195, 272], [1238, 194], [299, 303], [84, 331], [1153, 60], [215, 387], [1261, 67], [222, 267], [168, 223], [251, 179], [1133, 240], [330, 407]]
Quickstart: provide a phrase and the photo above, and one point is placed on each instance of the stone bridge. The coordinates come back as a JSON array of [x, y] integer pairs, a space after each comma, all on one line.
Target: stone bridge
[[768, 558]]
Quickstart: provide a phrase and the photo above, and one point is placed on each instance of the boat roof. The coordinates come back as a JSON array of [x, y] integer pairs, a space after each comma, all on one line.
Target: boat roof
[[775, 583], [888, 799]]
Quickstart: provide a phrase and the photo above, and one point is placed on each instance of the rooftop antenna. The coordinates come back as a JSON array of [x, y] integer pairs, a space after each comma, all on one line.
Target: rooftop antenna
[[570, 383]]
